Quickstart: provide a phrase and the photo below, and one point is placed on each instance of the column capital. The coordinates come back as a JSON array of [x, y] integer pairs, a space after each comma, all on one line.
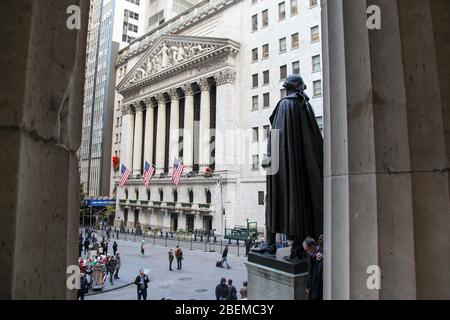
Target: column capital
[[160, 98], [187, 88], [126, 109], [203, 84], [148, 102], [225, 76], [139, 107], [173, 94]]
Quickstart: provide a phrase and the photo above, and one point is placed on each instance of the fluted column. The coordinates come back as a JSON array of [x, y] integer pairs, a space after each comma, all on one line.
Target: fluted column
[[226, 129], [188, 132], [137, 147], [128, 131], [148, 140], [174, 127], [205, 132], [161, 133]]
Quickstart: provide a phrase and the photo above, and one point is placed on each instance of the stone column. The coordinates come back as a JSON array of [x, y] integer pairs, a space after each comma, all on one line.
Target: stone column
[[161, 133], [174, 127], [205, 123], [226, 127], [148, 140], [138, 135], [188, 132], [128, 135], [182, 221], [386, 163], [40, 134]]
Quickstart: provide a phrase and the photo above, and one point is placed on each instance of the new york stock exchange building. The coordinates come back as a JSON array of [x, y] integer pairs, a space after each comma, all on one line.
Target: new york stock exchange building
[[187, 91]]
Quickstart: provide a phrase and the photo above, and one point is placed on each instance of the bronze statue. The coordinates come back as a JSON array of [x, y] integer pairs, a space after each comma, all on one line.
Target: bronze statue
[[294, 202]]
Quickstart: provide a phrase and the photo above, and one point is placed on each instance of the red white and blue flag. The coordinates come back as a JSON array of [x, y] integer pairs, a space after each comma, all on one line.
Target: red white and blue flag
[[178, 169], [149, 172], [124, 175]]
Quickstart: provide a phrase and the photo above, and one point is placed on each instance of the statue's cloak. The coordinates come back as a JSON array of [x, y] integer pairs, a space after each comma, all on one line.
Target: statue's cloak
[[294, 204]]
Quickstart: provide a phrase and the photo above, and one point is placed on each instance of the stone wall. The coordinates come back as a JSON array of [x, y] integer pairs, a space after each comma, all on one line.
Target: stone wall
[[42, 79]]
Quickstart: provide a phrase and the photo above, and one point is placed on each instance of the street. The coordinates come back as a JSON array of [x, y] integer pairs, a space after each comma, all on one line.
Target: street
[[197, 279]]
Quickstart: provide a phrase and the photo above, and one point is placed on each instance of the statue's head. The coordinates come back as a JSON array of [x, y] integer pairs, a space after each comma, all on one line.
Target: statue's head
[[294, 83]]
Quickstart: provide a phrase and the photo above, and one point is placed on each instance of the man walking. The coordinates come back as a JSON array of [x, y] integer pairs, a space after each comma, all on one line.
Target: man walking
[[118, 264], [114, 246], [112, 264], [171, 256], [224, 257], [232, 292], [83, 287], [86, 246], [179, 256], [314, 283], [141, 283]]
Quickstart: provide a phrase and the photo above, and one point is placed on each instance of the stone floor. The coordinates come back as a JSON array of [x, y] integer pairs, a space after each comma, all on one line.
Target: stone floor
[[197, 280]]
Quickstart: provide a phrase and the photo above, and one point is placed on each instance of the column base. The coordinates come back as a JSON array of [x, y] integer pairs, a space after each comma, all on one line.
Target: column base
[[270, 277]]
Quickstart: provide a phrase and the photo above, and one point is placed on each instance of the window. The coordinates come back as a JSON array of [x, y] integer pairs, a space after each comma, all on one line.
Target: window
[[266, 98], [265, 49], [255, 134], [255, 23], [255, 80], [295, 42], [117, 121], [313, 3], [266, 132], [283, 93], [261, 198], [255, 55], [265, 18], [317, 88], [283, 72], [282, 45], [255, 162], [296, 67], [294, 7], [255, 103], [315, 34], [266, 77], [316, 63], [281, 11], [117, 138]]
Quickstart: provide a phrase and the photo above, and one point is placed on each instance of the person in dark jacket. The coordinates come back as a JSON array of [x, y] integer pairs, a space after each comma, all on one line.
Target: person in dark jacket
[[179, 256], [112, 263], [171, 257], [314, 283], [232, 291], [80, 248], [114, 246], [118, 265], [141, 283], [86, 246], [83, 287], [222, 290], [224, 257]]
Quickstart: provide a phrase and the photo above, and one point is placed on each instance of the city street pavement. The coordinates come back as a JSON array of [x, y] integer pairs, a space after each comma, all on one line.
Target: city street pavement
[[197, 280]]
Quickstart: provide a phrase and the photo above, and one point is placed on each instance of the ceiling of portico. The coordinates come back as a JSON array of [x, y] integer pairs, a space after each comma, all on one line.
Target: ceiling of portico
[[174, 54]]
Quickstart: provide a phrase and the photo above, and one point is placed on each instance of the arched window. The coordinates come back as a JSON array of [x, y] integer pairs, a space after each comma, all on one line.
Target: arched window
[[161, 194], [126, 194], [191, 196], [208, 196], [175, 195], [148, 194], [136, 191]]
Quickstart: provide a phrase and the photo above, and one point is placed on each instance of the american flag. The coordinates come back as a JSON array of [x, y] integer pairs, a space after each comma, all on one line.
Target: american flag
[[149, 172], [178, 168], [124, 175]]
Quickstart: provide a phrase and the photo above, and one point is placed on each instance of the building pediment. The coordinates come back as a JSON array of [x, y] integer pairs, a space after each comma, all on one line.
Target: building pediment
[[172, 54]]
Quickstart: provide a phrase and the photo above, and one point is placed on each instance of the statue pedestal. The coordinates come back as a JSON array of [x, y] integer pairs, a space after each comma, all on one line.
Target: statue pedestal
[[270, 277]]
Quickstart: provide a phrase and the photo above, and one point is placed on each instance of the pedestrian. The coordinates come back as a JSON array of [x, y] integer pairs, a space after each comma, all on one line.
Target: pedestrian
[[141, 283], [86, 246], [179, 256], [314, 283], [83, 287], [171, 256], [232, 292], [224, 257], [118, 264], [248, 243], [112, 264], [105, 247], [114, 246], [243, 290], [222, 290], [142, 247]]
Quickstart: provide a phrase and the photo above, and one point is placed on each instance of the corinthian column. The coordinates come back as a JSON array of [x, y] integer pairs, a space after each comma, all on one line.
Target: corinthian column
[[128, 132], [138, 127], [148, 140], [188, 132], [205, 133], [161, 133], [174, 126]]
